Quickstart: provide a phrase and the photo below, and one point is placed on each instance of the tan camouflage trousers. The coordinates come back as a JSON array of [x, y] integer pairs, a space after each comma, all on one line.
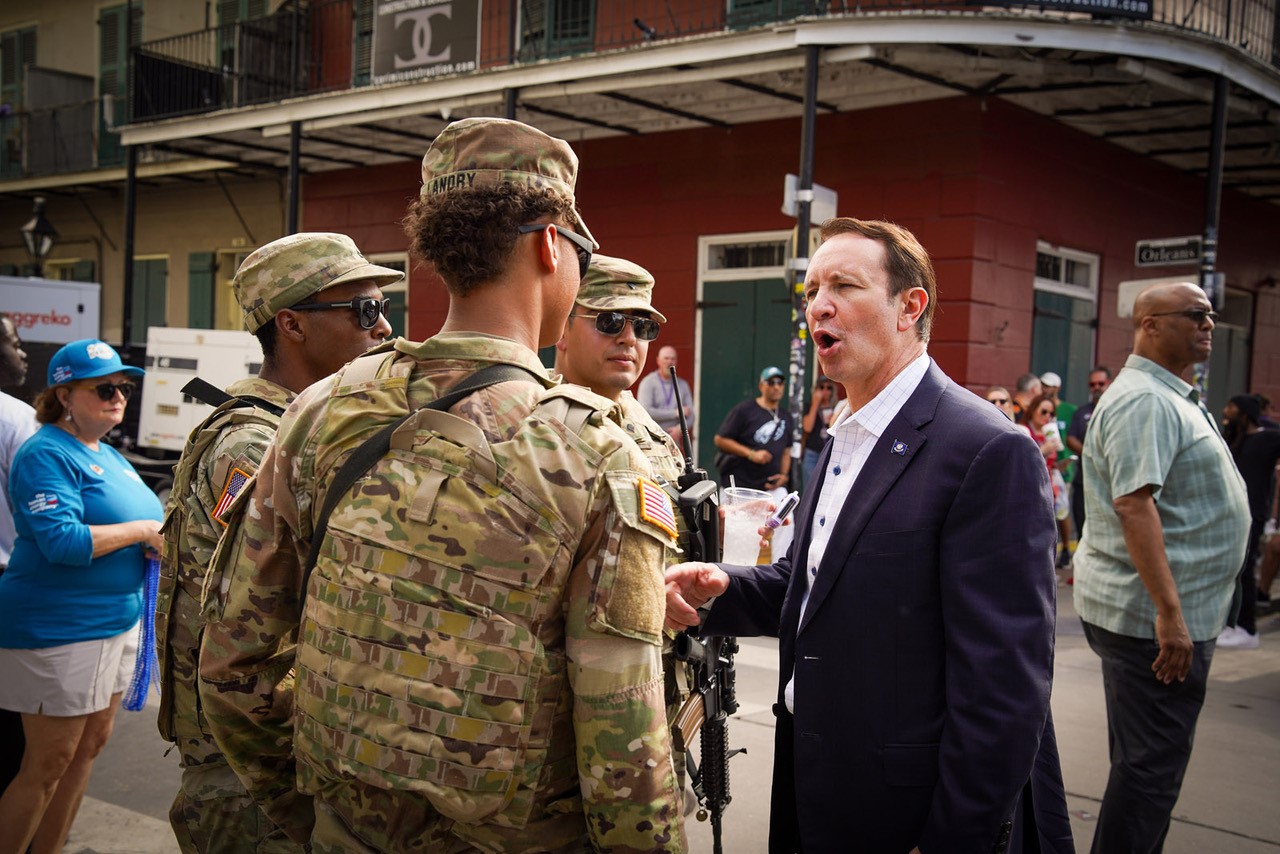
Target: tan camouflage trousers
[[332, 835], [213, 814]]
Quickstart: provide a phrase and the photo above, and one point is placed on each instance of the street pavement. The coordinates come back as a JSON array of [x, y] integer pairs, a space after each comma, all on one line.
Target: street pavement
[[1228, 803]]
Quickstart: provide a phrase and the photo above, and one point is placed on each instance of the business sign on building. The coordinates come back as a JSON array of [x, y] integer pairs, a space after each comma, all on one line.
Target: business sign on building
[[424, 38], [1100, 8], [1170, 250]]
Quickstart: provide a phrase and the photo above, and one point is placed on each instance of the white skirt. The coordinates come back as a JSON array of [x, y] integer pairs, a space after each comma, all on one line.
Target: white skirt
[[68, 680]]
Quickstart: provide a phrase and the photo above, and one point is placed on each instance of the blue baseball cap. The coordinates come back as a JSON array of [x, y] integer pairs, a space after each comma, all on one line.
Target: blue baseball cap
[[771, 372], [86, 359]]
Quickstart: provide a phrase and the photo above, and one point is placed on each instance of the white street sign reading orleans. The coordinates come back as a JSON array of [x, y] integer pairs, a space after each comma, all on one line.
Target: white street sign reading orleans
[[1170, 250]]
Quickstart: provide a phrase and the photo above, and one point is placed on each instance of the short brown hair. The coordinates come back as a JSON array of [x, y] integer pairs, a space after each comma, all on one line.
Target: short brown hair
[[468, 235], [48, 408], [906, 261]]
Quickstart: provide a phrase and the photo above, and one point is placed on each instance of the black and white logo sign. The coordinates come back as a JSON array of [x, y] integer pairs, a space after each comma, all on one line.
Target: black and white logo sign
[[424, 38]]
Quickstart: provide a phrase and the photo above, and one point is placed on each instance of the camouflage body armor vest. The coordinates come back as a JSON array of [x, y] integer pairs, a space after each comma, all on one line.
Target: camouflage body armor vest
[[431, 651], [182, 573]]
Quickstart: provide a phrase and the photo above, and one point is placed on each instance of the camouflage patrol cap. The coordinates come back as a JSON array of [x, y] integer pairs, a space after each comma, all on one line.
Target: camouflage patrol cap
[[615, 284], [287, 271], [487, 152]]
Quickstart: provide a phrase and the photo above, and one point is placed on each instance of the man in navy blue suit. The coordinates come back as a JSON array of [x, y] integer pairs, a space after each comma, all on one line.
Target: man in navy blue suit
[[916, 606]]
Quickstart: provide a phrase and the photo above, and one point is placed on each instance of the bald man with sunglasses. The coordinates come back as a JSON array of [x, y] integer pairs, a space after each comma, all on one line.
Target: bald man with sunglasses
[[1156, 568], [314, 303]]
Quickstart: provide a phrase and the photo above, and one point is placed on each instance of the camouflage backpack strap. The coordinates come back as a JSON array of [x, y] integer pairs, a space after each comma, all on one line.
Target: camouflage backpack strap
[[572, 406], [376, 446], [365, 369]]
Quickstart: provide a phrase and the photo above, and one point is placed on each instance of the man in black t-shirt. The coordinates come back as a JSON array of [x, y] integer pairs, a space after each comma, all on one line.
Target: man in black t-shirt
[[1256, 452], [754, 437]]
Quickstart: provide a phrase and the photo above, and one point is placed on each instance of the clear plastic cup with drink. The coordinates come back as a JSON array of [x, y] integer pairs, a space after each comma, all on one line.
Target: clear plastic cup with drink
[[745, 512]]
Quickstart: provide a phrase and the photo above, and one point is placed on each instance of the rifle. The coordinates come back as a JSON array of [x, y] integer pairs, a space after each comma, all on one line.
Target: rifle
[[710, 660]]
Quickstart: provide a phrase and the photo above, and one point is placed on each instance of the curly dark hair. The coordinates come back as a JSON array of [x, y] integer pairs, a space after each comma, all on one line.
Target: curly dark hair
[[468, 235]]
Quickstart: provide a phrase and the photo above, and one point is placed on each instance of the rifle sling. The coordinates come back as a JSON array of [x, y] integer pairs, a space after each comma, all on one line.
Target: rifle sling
[[207, 392], [376, 446]]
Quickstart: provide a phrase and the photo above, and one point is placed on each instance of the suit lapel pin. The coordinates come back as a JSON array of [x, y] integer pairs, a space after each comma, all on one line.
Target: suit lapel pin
[[899, 447]]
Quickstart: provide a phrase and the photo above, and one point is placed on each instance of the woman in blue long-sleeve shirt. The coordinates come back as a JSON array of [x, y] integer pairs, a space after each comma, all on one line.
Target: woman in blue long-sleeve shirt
[[71, 597]]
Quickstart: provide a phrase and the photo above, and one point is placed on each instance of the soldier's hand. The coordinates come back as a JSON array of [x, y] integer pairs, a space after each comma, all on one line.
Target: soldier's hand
[[689, 587], [1174, 660]]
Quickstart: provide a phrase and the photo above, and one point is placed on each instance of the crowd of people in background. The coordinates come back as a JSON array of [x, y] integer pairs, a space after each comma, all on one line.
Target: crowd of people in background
[[1253, 437]]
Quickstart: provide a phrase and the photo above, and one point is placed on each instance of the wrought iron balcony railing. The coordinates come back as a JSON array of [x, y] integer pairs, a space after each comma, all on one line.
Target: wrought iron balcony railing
[[327, 45], [51, 141]]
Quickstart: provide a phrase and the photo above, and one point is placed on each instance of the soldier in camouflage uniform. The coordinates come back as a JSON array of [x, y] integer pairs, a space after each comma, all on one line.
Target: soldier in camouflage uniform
[[477, 650], [212, 811], [614, 294]]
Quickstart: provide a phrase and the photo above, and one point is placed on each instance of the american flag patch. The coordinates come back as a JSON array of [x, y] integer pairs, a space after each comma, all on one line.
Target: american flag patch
[[655, 507], [235, 485], [42, 501]]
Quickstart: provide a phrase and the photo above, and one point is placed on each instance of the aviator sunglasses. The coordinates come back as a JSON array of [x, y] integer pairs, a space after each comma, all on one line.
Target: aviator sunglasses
[[107, 391], [611, 323], [581, 246], [368, 309]]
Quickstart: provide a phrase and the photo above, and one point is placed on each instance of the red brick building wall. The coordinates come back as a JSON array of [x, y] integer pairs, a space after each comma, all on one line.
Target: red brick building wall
[[979, 181]]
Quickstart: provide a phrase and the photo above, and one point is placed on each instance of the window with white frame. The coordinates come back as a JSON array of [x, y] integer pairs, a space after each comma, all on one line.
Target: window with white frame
[[1065, 317], [1066, 271]]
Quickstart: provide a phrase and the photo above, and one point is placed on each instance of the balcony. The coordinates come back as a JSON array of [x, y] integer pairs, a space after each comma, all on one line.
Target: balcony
[[59, 132], [327, 45]]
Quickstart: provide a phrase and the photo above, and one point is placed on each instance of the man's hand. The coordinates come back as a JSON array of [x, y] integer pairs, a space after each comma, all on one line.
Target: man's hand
[[689, 587], [1174, 660], [776, 480]]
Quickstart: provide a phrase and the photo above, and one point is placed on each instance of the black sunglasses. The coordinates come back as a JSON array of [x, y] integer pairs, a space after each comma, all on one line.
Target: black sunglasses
[[107, 391], [998, 401], [369, 309], [611, 323], [775, 381], [581, 245], [1195, 315]]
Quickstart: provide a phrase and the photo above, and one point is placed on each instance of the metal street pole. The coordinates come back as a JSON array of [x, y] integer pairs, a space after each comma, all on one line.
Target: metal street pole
[[799, 261]]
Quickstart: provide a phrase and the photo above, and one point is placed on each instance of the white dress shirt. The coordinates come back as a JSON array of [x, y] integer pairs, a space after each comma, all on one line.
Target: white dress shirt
[[17, 424], [853, 435]]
